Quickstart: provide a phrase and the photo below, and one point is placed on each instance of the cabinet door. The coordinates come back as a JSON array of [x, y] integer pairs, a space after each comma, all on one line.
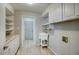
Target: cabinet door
[[51, 10], [55, 13], [7, 51], [77, 9], [68, 10], [14, 46]]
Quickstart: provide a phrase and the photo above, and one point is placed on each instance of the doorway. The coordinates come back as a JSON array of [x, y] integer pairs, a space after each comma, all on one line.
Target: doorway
[[28, 28]]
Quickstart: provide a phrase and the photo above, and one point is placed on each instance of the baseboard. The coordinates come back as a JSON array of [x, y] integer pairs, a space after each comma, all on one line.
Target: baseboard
[[52, 51]]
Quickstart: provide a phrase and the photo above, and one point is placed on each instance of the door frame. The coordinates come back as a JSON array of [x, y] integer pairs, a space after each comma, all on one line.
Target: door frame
[[22, 29]]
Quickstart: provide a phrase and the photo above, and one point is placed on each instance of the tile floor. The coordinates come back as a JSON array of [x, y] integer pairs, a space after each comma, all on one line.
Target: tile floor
[[29, 48]]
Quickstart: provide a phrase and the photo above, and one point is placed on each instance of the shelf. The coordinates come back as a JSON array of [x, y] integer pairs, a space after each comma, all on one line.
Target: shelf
[[9, 29], [9, 18], [45, 45], [47, 29], [70, 19], [45, 24], [9, 24], [8, 12]]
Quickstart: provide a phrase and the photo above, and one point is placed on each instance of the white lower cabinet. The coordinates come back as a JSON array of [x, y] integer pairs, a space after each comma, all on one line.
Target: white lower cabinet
[[12, 47], [7, 51]]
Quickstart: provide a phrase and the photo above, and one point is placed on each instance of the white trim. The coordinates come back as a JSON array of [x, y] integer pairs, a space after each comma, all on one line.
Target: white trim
[[52, 51], [22, 33]]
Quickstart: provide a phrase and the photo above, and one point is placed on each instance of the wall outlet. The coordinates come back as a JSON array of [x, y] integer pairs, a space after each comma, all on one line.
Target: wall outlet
[[65, 39]]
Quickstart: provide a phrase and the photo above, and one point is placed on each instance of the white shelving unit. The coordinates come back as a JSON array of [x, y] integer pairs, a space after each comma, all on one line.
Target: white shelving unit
[[9, 40], [43, 39], [9, 24], [45, 24], [43, 36]]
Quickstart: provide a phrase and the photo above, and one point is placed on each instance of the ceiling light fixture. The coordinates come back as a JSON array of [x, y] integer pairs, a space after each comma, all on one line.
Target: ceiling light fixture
[[30, 3]]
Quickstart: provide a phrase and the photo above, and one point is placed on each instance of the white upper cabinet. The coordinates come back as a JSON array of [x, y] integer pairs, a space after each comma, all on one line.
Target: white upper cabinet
[[51, 10], [68, 11], [77, 9], [55, 13], [59, 12]]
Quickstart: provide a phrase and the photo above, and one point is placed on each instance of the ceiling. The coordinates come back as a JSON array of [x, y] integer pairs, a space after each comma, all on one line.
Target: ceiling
[[36, 7]]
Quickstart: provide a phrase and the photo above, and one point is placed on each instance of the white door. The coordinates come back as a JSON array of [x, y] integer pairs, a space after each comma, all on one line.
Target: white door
[[28, 28]]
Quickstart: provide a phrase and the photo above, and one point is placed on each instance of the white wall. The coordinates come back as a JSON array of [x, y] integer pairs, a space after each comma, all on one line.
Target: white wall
[[2, 28], [70, 30]]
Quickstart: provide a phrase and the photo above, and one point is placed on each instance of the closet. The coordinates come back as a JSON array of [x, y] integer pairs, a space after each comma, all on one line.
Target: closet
[[9, 40]]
